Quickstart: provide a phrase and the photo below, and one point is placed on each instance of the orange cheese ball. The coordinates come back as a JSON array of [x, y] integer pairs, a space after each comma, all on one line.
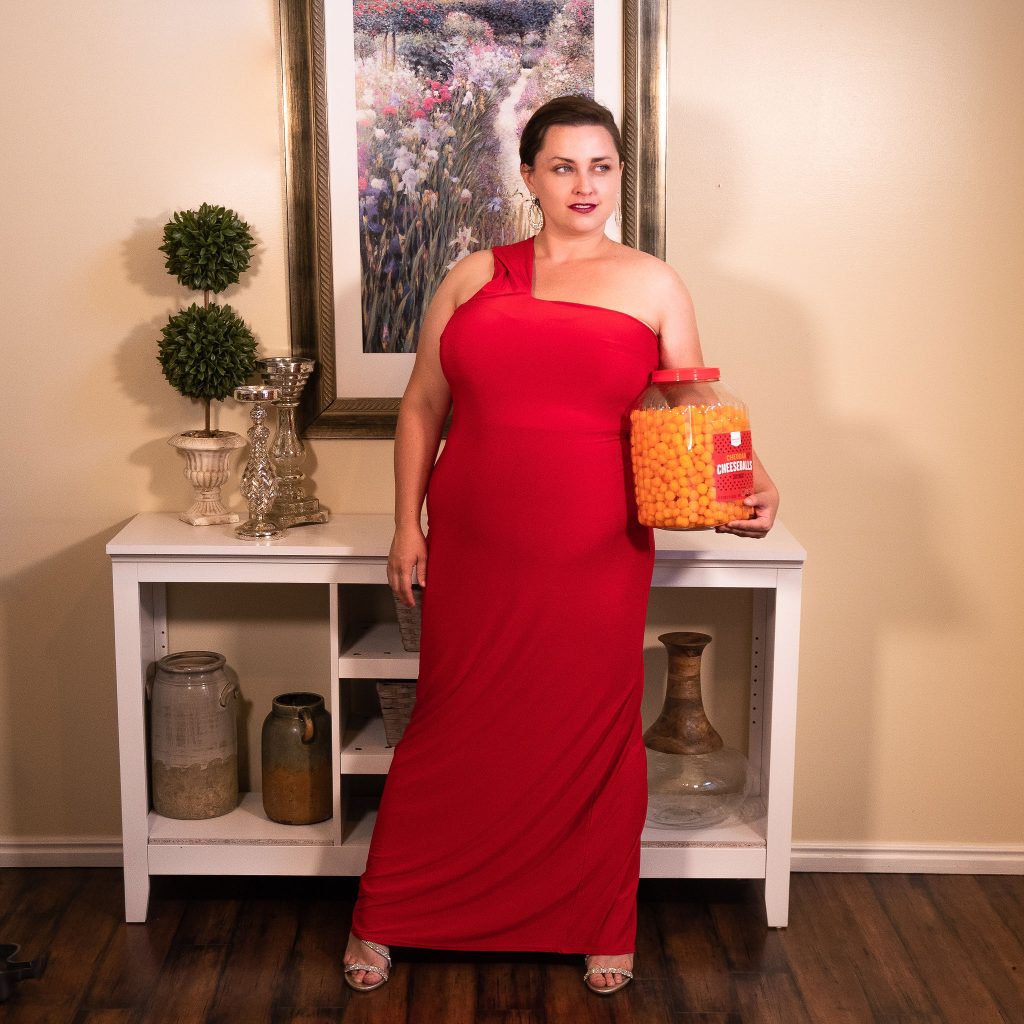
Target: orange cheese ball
[[674, 469]]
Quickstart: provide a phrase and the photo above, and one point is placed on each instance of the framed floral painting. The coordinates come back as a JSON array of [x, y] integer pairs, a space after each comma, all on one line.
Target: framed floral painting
[[402, 120]]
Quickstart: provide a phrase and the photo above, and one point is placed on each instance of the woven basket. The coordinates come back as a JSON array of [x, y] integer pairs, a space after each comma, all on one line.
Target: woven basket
[[396, 701], [409, 619]]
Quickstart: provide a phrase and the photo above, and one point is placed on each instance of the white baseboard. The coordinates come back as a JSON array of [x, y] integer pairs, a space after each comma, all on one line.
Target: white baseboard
[[61, 852], [890, 858], [887, 858]]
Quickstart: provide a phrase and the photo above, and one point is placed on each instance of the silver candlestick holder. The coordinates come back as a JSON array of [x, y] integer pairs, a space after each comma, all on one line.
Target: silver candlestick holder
[[258, 484], [292, 506]]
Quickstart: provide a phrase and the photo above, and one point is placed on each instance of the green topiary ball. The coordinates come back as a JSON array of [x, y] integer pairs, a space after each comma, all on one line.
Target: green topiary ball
[[207, 353], [207, 249]]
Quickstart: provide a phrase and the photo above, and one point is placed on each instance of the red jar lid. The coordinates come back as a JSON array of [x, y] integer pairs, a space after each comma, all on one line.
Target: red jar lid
[[685, 373]]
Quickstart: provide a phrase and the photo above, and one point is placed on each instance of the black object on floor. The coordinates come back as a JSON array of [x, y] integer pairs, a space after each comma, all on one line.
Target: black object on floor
[[11, 973]]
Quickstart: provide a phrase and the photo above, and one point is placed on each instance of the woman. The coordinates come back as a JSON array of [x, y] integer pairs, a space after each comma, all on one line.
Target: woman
[[512, 813]]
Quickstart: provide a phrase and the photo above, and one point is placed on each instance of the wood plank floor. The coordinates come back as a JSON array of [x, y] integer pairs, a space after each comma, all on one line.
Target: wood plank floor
[[898, 949]]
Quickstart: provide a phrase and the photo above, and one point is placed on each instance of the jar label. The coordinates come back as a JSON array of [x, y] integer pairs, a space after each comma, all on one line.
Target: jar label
[[734, 465]]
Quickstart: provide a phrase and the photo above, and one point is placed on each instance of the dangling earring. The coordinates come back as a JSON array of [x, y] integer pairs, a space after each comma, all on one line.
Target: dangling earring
[[618, 212], [535, 220]]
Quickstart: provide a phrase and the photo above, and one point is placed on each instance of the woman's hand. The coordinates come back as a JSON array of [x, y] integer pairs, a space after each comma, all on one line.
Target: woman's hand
[[408, 554], [765, 505]]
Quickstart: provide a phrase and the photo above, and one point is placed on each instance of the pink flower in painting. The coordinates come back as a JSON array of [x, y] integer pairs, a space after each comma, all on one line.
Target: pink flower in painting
[[389, 111], [428, 103], [419, 113], [580, 11]]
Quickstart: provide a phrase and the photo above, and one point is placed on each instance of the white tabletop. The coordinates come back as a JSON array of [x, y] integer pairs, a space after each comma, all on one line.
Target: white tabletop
[[368, 535]]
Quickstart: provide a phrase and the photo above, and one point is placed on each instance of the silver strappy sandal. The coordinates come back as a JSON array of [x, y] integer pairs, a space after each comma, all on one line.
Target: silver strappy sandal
[[363, 987], [606, 990]]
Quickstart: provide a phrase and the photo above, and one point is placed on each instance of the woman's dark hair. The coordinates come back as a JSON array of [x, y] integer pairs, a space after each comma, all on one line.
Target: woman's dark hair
[[572, 110]]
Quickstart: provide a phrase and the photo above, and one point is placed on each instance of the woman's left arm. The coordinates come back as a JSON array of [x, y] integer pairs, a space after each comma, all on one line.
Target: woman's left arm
[[678, 337], [680, 346]]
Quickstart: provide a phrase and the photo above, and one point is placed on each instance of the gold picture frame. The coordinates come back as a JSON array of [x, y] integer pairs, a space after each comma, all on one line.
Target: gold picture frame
[[310, 280]]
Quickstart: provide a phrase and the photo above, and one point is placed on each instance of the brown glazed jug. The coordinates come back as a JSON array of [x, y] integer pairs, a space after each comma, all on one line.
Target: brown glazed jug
[[296, 748]]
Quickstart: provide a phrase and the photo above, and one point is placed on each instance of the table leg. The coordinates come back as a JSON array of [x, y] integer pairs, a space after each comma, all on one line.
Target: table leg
[[782, 659], [133, 627]]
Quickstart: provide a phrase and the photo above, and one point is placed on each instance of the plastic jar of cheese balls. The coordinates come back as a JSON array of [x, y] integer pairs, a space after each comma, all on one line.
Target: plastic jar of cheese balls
[[691, 451]]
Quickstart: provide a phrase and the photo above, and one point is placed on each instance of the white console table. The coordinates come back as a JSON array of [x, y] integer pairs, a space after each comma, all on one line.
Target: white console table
[[155, 549]]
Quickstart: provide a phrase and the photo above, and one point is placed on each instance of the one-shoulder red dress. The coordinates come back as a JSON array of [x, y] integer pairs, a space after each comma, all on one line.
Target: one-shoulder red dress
[[511, 815]]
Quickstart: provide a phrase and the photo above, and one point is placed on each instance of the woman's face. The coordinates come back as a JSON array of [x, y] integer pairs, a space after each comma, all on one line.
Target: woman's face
[[576, 176]]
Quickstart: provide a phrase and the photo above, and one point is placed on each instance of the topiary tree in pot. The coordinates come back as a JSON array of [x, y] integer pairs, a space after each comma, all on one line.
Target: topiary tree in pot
[[207, 351]]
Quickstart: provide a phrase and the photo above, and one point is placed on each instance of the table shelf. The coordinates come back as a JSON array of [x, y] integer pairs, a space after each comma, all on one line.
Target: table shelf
[[376, 652], [364, 750], [246, 825]]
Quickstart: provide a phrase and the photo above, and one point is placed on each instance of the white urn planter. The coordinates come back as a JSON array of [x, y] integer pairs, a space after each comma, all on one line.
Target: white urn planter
[[206, 469]]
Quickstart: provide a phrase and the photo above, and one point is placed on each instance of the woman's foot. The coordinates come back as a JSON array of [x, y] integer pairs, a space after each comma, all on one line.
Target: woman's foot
[[605, 982], [359, 952]]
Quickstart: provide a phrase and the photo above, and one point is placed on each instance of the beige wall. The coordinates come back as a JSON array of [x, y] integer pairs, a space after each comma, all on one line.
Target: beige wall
[[845, 206]]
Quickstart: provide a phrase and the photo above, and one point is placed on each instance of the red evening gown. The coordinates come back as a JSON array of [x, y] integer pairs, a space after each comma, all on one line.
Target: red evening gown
[[511, 815]]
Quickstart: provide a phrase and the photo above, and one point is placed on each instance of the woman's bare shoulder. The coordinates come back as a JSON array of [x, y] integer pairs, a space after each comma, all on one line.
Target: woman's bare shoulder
[[651, 266], [657, 277], [469, 275]]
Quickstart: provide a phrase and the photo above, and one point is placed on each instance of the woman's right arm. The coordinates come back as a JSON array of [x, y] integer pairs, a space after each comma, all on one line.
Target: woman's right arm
[[421, 417]]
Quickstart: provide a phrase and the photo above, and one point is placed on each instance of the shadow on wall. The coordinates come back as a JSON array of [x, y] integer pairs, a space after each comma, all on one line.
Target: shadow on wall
[[851, 493], [58, 721], [726, 615], [58, 732], [144, 262], [274, 637]]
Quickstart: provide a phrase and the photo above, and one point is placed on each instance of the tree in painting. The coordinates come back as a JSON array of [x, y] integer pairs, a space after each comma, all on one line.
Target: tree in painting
[[443, 88]]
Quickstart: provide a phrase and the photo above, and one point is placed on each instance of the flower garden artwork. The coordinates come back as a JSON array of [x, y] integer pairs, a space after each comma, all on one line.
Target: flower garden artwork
[[443, 88]]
